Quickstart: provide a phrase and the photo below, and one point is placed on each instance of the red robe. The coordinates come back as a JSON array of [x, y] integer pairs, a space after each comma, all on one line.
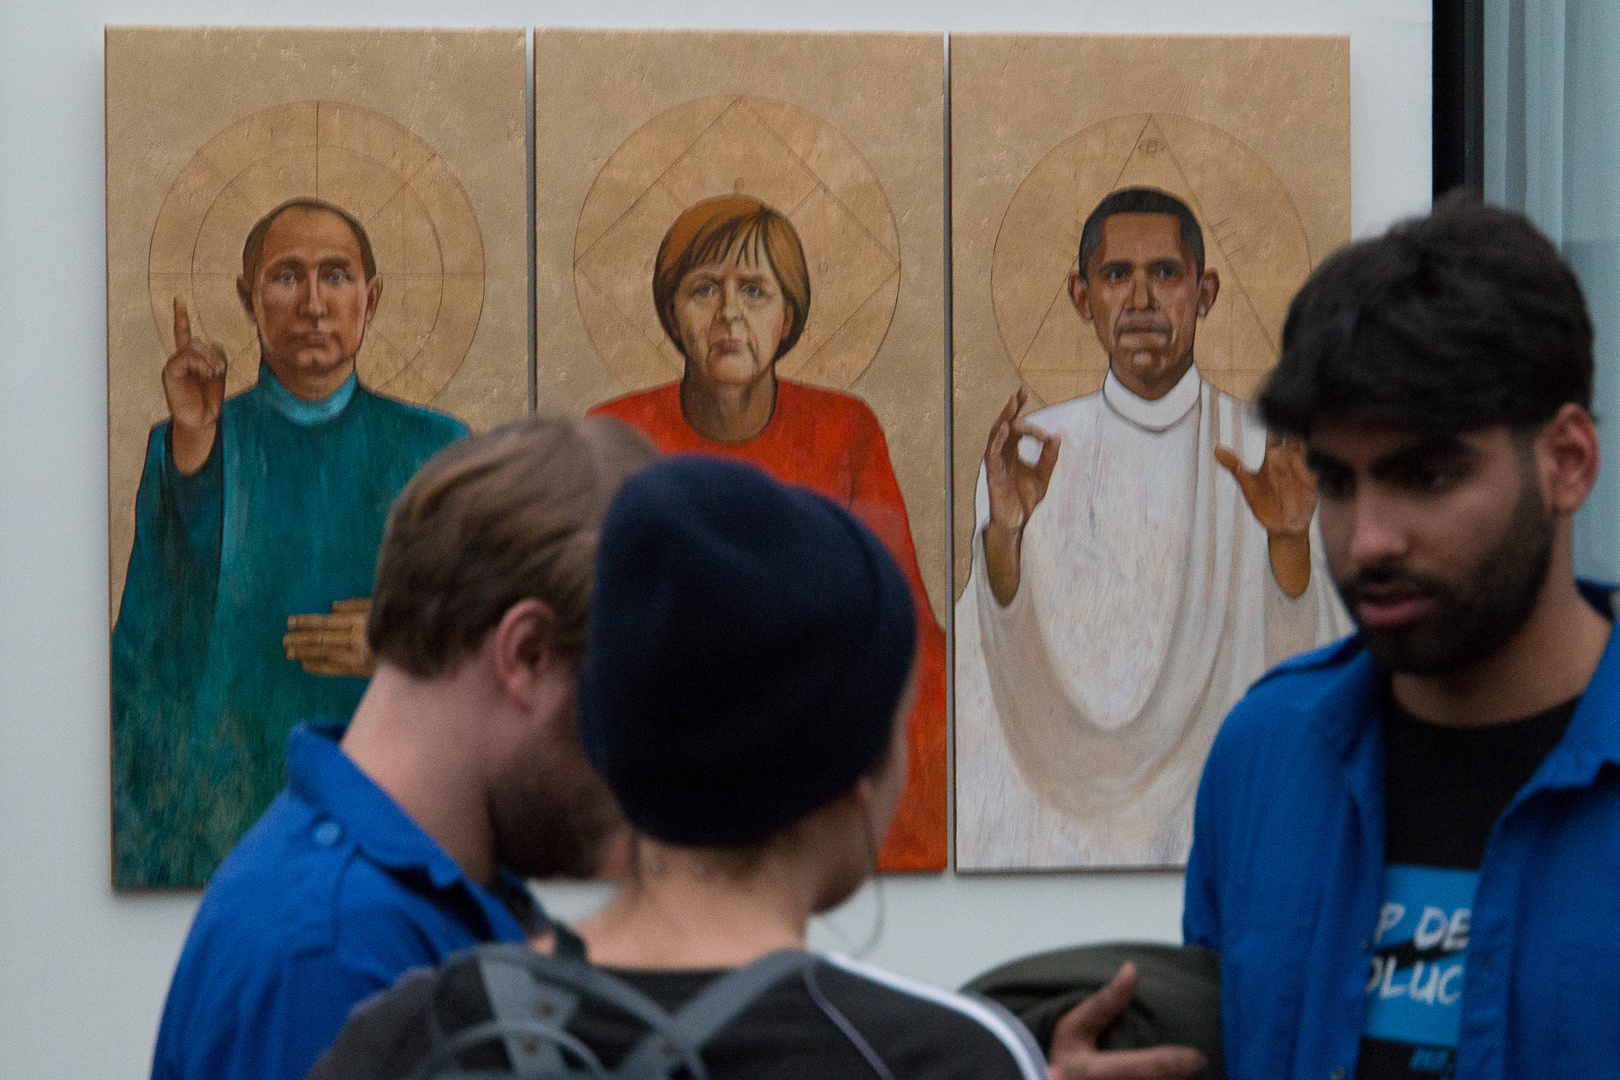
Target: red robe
[[831, 443]]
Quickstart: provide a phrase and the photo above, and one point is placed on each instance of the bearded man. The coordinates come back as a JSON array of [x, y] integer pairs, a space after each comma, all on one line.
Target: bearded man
[[406, 837]]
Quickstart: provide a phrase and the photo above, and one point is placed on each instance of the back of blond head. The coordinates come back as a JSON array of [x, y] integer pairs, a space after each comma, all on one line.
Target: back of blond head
[[488, 522]]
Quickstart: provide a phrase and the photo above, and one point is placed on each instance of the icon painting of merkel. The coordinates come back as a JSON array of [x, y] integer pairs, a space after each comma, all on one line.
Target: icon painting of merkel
[[738, 299]]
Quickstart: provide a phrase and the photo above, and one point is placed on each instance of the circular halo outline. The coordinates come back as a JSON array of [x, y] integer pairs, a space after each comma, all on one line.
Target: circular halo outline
[[423, 229], [787, 157], [1252, 229]]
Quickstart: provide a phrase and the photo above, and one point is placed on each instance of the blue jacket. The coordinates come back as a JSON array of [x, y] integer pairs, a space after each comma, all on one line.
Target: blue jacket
[[331, 897], [1285, 880]]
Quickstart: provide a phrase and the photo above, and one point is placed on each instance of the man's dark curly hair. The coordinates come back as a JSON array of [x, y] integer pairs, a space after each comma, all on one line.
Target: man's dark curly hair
[[1461, 320]]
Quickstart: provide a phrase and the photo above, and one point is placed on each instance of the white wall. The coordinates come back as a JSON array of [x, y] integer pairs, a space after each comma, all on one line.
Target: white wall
[[82, 970]]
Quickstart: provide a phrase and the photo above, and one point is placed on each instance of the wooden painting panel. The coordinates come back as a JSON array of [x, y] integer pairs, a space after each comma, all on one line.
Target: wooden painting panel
[[256, 441], [819, 158], [1116, 589]]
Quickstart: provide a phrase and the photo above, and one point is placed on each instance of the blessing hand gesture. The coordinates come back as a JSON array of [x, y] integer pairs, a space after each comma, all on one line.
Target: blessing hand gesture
[[1282, 496], [194, 387], [1016, 488]]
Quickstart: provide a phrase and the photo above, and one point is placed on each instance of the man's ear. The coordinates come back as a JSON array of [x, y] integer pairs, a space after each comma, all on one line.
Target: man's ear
[[525, 647], [1568, 457], [373, 295], [1209, 287], [244, 293], [1080, 294]]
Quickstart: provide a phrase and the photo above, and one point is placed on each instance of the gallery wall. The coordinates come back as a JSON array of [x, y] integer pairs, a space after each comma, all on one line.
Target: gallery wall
[[84, 969]]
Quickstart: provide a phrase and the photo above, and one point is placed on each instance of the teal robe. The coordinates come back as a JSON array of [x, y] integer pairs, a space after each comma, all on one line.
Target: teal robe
[[284, 518]]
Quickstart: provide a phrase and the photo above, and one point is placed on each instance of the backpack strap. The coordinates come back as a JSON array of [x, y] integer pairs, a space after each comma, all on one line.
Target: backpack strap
[[518, 1002], [568, 943], [581, 980], [442, 1060], [721, 1002]]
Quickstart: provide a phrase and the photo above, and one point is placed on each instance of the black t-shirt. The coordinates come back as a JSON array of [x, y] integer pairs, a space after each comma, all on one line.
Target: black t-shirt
[[1444, 788], [918, 1033]]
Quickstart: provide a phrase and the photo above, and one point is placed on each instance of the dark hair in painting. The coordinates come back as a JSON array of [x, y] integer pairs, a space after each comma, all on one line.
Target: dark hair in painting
[[490, 521], [253, 249], [1461, 320], [1141, 200], [708, 231]]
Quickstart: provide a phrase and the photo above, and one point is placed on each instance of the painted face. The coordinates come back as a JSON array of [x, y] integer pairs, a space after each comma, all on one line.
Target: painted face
[[1439, 546], [1143, 294], [732, 317], [310, 298]]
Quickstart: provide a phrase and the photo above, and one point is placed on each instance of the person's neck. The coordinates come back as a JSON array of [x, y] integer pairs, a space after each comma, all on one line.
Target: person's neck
[[309, 385], [681, 910], [1549, 661], [1152, 391], [726, 412], [412, 737]]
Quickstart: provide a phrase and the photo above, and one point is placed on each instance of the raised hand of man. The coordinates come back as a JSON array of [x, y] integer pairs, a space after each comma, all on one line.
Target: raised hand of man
[[1282, 496], [194, 387], [1016, 488]]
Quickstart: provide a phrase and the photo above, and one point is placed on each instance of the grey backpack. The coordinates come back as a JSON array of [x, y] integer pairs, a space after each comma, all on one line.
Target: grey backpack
[[533, 997]]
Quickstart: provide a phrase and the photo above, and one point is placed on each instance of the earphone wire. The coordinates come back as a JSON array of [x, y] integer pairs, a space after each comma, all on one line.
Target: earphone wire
[[880, 912], [879, 900], [842, 1023]]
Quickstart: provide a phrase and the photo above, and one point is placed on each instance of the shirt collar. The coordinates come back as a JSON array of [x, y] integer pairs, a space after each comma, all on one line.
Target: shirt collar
[[1345, 708], [1160, 415], [322, 775], [294, 408], [1593, 737]]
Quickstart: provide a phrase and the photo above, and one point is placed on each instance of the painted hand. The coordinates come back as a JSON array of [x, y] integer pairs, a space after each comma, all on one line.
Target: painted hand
[[194, 386], [1016, 489], [332, 644], [1282, 496], [1282, 492], [1016, 486], [1075, 1056]]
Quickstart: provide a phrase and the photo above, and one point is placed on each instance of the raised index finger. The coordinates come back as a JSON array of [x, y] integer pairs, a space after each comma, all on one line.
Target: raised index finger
[[182, 326]]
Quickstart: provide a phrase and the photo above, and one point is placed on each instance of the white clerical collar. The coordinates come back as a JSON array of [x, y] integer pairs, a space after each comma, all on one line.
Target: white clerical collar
[[1160, 415], [294, 408]]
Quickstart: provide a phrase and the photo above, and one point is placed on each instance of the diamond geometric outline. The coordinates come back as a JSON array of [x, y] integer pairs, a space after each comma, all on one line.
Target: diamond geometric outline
[[743, 101], [1150, 120]]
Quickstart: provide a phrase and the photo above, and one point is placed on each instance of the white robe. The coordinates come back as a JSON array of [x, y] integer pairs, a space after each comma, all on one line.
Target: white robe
[[1146, 607]]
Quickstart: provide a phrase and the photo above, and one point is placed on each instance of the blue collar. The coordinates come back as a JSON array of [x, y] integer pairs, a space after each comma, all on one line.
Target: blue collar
[[294, 408], [1344, 707], [1593, 737], [322, 775]]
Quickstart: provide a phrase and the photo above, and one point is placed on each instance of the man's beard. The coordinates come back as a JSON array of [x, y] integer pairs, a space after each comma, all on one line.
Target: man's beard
[[552, 815], [1471, 619]]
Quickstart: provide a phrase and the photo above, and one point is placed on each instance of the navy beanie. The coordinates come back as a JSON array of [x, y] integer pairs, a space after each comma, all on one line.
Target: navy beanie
[[748, 645]]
